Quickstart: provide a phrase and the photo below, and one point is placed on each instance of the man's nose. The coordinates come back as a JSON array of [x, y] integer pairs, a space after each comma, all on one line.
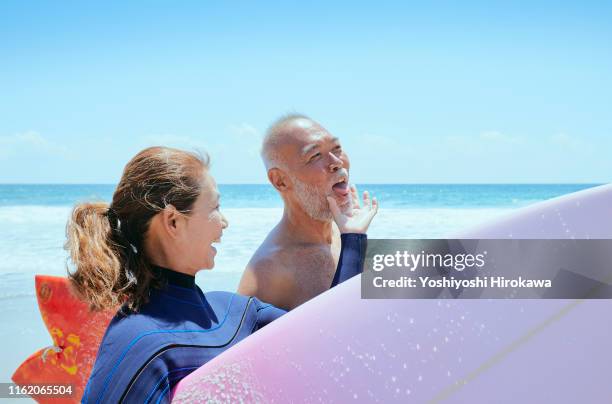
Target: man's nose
[[335, 163], [224, 222]]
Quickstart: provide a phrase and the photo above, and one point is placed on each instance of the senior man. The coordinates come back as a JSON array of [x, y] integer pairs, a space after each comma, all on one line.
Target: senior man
[[298, 258]]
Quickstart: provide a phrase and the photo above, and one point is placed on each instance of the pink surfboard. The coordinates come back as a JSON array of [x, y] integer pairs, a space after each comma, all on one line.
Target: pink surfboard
[[338, 348]]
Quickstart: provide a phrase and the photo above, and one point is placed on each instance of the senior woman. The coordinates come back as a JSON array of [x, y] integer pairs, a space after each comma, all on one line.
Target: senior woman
[[142, 252]]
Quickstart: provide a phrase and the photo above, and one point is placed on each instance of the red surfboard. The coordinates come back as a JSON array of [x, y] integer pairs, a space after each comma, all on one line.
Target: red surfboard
[[76, 333]]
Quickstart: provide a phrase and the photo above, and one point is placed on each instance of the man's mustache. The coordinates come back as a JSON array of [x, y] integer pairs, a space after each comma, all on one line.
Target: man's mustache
[[341, 174]]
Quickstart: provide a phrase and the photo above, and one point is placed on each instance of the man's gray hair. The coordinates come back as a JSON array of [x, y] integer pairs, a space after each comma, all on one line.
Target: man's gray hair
[[273, 138]]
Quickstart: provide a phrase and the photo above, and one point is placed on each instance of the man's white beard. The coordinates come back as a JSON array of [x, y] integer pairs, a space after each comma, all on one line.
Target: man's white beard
[[313, 201]]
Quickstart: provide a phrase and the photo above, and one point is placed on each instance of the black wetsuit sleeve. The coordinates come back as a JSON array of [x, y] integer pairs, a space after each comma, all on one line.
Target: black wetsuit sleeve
[[352, 257]]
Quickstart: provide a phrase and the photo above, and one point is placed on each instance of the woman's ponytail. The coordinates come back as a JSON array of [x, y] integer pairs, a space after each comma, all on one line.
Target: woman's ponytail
[[96, 257]]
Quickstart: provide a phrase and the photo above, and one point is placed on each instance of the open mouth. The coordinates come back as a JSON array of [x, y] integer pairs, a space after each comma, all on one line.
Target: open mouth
[[341, 188], [216, 241]]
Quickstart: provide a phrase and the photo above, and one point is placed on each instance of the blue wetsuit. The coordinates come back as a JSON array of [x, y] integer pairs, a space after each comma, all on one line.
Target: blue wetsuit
[[143, 355]]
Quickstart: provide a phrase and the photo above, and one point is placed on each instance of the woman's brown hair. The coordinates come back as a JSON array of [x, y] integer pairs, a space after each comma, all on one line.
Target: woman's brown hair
[[106, 243]]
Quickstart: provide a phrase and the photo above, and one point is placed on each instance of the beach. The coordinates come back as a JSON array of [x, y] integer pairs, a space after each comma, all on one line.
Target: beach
[[33, 219]]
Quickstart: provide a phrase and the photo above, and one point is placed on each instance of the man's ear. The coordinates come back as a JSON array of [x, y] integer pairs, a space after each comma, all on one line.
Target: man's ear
[[278, 179], [169, 220]]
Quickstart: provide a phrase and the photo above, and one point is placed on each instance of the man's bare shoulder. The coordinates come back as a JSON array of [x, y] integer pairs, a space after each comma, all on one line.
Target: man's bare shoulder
[[273, 273], [272, 258], [266, 278]]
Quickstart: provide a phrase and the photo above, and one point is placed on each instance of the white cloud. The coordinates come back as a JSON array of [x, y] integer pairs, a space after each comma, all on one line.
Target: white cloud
[[28, 142], [171, 140], [246, 130], [244, 135], [566, 141], [234, 151], [495, 136], [247, 136], [373, 140], [485, 142]]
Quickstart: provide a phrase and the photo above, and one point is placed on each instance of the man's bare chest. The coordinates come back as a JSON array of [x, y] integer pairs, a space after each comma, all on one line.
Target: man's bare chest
[[313, 268]]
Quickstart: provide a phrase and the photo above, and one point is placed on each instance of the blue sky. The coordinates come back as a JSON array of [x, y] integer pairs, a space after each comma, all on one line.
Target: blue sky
[[450, 92]]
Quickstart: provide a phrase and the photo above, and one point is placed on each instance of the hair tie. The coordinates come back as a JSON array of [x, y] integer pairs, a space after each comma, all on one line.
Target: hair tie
[[111, 214], [115, 223]]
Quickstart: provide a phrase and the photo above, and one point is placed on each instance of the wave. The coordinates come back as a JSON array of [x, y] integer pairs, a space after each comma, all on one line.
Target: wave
[[17, 295], [33, 236], [23, 214]]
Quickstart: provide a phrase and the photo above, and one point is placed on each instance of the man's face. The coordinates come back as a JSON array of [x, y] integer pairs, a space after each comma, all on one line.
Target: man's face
[[317, 167]]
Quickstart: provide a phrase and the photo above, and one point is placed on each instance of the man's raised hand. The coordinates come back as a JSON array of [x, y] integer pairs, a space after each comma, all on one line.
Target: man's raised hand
[[360, 218]]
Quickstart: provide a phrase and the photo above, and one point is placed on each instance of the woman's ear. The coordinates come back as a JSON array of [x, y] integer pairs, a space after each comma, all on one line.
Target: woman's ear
[[170, 220]]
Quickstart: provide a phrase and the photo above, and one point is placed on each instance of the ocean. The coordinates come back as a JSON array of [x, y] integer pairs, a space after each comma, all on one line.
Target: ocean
[[33, 219]]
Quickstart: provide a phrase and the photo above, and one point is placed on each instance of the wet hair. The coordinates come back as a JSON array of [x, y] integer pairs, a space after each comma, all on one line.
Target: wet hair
[[273, 138], [106, 242]]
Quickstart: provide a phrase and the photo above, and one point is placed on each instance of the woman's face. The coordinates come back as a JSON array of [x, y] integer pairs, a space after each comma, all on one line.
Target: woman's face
[[203, 227]]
